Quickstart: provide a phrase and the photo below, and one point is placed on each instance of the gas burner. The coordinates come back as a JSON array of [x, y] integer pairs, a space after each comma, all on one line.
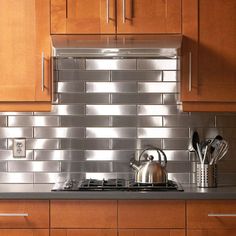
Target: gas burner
[[114, 185]]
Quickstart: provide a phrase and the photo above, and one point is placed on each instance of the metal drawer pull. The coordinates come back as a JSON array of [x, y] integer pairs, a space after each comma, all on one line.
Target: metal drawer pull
[[124, 11], [221, 215], [108, 12], [190, 72], [42, 85], [14, 214]]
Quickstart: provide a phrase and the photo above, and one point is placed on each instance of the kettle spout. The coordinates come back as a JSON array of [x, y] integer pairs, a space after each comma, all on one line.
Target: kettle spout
[[134, 164]]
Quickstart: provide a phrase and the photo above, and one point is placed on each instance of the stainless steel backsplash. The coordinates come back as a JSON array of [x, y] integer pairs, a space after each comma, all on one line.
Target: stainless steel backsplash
[[104, 112]]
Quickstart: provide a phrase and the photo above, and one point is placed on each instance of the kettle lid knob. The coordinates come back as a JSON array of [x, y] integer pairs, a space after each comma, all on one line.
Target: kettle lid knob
[[151, 158]]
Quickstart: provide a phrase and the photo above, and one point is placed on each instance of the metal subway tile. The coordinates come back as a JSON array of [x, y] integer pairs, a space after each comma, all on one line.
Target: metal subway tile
[[40, 177], [85, 144], [42, 143], [70, 87], [58, 155], [61, 132], [144, 143], [121, 167], [170, 99], [176, 144], [111, 87], [3, 121], [176, 121], [157, 87], [129, 144], [3, 166], [152, 121], [8, 155], [202, 120], [110, 64], [109, 175], [33, 166], [136, 75], [170, 76], [226, 178], [225, 121], [115, 110], [158, 110], [64, 110], [16, 113], [33, 121], [108, 155], [3, 143], [84, 98], [163, 133], [70, 64], [16, 132], [120, 121], [76, 75], [183, 178], [91, 121], [157, 64], [110, 132], [177, 155], [226, 166], [178, 167], [11, 178]]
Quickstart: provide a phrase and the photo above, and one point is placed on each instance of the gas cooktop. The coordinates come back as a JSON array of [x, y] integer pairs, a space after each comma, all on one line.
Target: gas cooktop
[[114, 185]]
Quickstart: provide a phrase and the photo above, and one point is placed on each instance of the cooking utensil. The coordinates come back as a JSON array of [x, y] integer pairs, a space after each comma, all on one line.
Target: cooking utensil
[[196, 146], [150, 171], [214, 142], [219, 152]]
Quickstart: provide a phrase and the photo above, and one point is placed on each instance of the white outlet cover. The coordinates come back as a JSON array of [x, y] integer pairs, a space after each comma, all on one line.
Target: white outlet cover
[[19, 147]]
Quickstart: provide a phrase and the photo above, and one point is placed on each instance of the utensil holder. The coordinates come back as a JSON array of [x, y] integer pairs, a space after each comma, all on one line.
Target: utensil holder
[[206, 175]]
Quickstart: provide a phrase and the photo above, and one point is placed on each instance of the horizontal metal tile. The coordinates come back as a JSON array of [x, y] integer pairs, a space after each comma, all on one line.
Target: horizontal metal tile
[[101, 176], [115, 110], [70, 64], [108, 155], [110, 132], [64, 110], [3, 143], [183, 178], [3, 166], [226, 121], [153, 121], [178, 167], [111, 87], [84, 98], [16, 132], [144, 143], [157, 64], [74, 132], [141, 98], [226, 166], [75, 155], [157, 87], [170, 76], [177, 155], [157, 110], [121, 121], [163, 132], [226, 179], [175, 144], [85, 144], [70, 87], [12, 178], [136, 75], [76, 75], [129, 144], [3, 121], [33, 166], [16, 113], [110, 64], [8, 155], [33, 121], [79, 121], [40, 178], [43, 143], [170, 99]]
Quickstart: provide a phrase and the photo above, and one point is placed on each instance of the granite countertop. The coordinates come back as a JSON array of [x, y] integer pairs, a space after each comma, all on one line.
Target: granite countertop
[[43, 191]]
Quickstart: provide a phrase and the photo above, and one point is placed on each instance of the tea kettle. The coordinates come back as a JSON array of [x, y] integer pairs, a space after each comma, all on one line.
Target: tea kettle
[[150, 171]]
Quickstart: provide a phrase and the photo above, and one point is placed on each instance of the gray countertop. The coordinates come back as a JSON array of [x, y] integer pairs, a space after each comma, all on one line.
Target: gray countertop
[[43, 191]]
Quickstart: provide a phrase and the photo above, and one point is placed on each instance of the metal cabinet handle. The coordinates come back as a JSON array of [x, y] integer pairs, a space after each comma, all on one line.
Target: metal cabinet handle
[[14, 214], [108, 11], [42, 81], [190, 72], [66, 8], [124, 10], [221, 215]]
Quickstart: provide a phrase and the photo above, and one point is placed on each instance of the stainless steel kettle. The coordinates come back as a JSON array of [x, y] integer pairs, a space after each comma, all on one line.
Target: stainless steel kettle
[[150, 171]]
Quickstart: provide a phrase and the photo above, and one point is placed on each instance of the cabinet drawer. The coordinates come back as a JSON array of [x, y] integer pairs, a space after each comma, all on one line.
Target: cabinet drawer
[[24, 214], [83, 214], [151, 214], [83, 232], [24, 232], [211, 214], [152, 232]]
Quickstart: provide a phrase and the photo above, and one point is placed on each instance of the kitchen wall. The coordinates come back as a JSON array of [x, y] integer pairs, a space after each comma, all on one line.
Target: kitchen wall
[[100, 118]]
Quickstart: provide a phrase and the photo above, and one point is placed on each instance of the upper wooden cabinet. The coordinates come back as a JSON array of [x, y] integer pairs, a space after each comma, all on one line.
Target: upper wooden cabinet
[[208, 81], [111, 16], [24, 51]]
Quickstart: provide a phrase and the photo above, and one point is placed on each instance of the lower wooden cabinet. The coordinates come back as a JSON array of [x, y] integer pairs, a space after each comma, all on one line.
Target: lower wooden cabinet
[[212, 232], [24, 232], [83, 232], [152, 232]]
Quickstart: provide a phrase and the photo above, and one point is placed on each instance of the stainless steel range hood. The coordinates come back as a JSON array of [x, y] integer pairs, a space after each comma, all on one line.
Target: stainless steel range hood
[[117, 46]]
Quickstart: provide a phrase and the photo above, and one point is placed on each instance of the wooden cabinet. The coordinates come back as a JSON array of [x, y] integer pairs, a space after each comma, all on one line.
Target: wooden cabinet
[[208, 81], [111, 16], [83, 232], [24, 232], [24, 54], [152, 232], [211, 218]]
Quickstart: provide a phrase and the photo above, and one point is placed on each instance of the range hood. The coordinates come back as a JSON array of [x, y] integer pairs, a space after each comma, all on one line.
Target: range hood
[[117, 46]]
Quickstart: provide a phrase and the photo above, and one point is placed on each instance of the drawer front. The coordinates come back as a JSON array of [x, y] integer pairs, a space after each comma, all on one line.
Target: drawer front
[[83, 232], [212, 232], [211, 214], [152, 232], [151, 214], [83, 214], [24, 214], [24, 232]]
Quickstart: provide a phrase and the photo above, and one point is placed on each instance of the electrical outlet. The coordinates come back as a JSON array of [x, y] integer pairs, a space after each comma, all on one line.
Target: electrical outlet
[[19, 149]]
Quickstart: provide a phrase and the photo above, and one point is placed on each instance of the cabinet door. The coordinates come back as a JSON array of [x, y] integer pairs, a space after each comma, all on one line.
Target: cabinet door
[[82, 16], [151, 232], [24, 232], [148, 16], [83, 232], [209, 55], [212, 232], [25, 37]]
